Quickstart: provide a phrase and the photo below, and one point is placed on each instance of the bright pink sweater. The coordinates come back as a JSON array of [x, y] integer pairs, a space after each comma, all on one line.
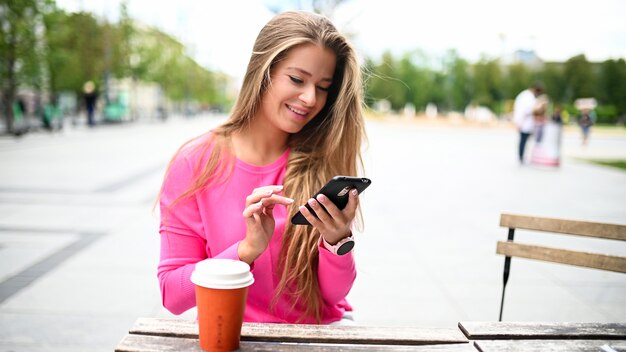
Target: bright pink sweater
[[210, 225]]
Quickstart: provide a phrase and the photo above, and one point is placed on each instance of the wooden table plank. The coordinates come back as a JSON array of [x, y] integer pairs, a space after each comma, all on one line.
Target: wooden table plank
[[550, 345], [535, 330], [352, 334], [148, 343]]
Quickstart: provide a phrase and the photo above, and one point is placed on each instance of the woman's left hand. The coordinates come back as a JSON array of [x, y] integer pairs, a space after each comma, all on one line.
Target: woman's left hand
[[332, 223]]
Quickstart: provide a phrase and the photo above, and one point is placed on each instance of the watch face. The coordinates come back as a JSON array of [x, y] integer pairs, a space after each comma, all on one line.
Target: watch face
[[345, 248]]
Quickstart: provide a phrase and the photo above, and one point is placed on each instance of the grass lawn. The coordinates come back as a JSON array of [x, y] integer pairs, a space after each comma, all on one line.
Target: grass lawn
[[620, 164]]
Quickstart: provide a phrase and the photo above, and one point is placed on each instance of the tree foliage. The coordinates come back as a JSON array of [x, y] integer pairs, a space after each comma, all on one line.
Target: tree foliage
[[457, 83], [20, 54], [45, 48], [579, 77], [612, 84]]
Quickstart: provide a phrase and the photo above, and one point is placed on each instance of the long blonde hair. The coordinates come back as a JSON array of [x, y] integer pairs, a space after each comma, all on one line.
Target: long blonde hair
[[328, 145]]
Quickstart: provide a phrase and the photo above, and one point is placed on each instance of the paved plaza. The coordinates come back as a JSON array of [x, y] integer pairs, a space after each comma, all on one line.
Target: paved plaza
[[79, 242]]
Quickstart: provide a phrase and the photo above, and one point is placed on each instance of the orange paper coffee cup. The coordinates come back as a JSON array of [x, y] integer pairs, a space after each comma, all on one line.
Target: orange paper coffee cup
[[221, 292]]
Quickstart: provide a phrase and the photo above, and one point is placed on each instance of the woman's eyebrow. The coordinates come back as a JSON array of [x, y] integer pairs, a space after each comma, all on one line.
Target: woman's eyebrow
[[307, 73]]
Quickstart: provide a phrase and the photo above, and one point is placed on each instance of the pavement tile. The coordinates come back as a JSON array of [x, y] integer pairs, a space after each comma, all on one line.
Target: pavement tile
[[61, 332]]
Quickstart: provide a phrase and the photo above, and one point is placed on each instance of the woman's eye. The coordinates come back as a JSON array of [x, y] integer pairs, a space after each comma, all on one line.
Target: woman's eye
[[324, 89], [296, 80]]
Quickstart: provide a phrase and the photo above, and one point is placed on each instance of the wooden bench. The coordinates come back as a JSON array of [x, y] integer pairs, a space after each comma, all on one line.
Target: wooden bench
[[569, 227]]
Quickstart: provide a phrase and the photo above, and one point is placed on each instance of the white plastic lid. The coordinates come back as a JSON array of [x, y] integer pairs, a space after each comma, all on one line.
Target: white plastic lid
[[222, 274]]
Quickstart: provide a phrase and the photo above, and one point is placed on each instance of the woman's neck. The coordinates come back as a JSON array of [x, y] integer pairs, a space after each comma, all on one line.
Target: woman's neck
[[258, 144]]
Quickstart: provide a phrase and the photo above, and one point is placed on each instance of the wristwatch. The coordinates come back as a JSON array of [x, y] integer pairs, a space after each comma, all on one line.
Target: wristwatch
[[342, 247]]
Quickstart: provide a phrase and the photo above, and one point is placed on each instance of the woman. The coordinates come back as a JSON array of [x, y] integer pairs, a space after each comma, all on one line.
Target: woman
[[231, 192]]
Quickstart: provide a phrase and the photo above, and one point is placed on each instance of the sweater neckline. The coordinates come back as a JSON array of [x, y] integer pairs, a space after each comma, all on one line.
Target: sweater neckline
[[276, 164]]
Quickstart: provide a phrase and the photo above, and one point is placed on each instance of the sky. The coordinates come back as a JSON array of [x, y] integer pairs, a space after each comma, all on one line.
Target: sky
[[219, 34]]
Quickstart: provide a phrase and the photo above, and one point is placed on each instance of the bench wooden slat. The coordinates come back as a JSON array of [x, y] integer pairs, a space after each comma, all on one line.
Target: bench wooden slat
[[572, 227], [538, 330], [148, 343], [548, 345], [353, 334], [563, 256]]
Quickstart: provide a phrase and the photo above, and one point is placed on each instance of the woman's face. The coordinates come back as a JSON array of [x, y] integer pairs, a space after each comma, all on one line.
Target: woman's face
[[299, 88]]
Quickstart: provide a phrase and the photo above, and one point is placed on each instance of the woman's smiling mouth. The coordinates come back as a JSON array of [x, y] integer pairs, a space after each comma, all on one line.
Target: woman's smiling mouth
[[302, 113]]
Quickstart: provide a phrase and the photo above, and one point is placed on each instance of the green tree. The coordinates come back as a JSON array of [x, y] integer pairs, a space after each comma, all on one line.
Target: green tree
[[518, 78], [487, 88], [75, 49], [158, 57], [579, 78], [612, 84], [384, 83], [57, 32], [554, 81], [438, 94], [19, 50], [424, 84], [421, 81], [414, 80], [122, 38], [458, 81]]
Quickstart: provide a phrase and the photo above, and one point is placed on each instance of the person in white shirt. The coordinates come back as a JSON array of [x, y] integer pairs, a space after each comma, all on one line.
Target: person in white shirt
[[523, 115]]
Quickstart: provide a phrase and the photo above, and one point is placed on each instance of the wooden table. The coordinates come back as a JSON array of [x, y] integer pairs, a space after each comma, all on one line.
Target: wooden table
[[504, 337], [149, 334]]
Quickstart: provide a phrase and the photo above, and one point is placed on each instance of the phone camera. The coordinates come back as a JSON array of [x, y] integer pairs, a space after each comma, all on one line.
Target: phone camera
[[364, 180], [344, 191]]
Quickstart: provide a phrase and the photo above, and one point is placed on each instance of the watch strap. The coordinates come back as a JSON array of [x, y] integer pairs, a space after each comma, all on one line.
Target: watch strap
[[344, 246]]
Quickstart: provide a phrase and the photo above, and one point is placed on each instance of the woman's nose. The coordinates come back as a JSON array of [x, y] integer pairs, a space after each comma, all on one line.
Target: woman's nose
[[308, 95]]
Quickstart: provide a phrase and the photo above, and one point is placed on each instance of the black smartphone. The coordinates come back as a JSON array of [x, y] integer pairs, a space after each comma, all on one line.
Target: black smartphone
[[337, 190]]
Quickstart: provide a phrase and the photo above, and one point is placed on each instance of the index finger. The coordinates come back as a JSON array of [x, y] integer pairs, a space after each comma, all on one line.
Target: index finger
[[268, 189], [263, 192]]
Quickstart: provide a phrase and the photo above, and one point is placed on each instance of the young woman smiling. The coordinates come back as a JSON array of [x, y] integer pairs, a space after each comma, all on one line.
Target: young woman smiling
[[230, 193]]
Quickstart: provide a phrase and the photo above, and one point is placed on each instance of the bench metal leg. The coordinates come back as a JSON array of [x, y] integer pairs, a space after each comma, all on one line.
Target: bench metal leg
[[507, 269]]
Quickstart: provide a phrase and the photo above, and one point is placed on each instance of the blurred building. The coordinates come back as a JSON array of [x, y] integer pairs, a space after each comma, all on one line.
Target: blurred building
[[526, 57]]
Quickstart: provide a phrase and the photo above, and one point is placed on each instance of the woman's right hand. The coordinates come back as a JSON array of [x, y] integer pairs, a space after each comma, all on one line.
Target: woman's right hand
[[260, 221]]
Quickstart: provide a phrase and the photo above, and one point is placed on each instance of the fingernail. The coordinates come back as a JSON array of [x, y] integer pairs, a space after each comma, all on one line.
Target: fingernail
[[269, 192], [302, 208], [279, 187], [289, 200], [321, 198], [312, 202], [354, 192]]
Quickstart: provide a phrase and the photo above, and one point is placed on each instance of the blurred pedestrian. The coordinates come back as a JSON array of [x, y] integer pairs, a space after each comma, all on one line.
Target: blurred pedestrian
[[539, 116], [90, 95], [547, 148], [557, 115], [230, 193], [523, 115], [20, 125], [586, 119], [51, 115]]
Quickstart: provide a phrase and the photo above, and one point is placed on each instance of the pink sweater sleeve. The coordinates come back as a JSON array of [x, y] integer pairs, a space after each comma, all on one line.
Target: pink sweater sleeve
[[183, 239], [336, 275]]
